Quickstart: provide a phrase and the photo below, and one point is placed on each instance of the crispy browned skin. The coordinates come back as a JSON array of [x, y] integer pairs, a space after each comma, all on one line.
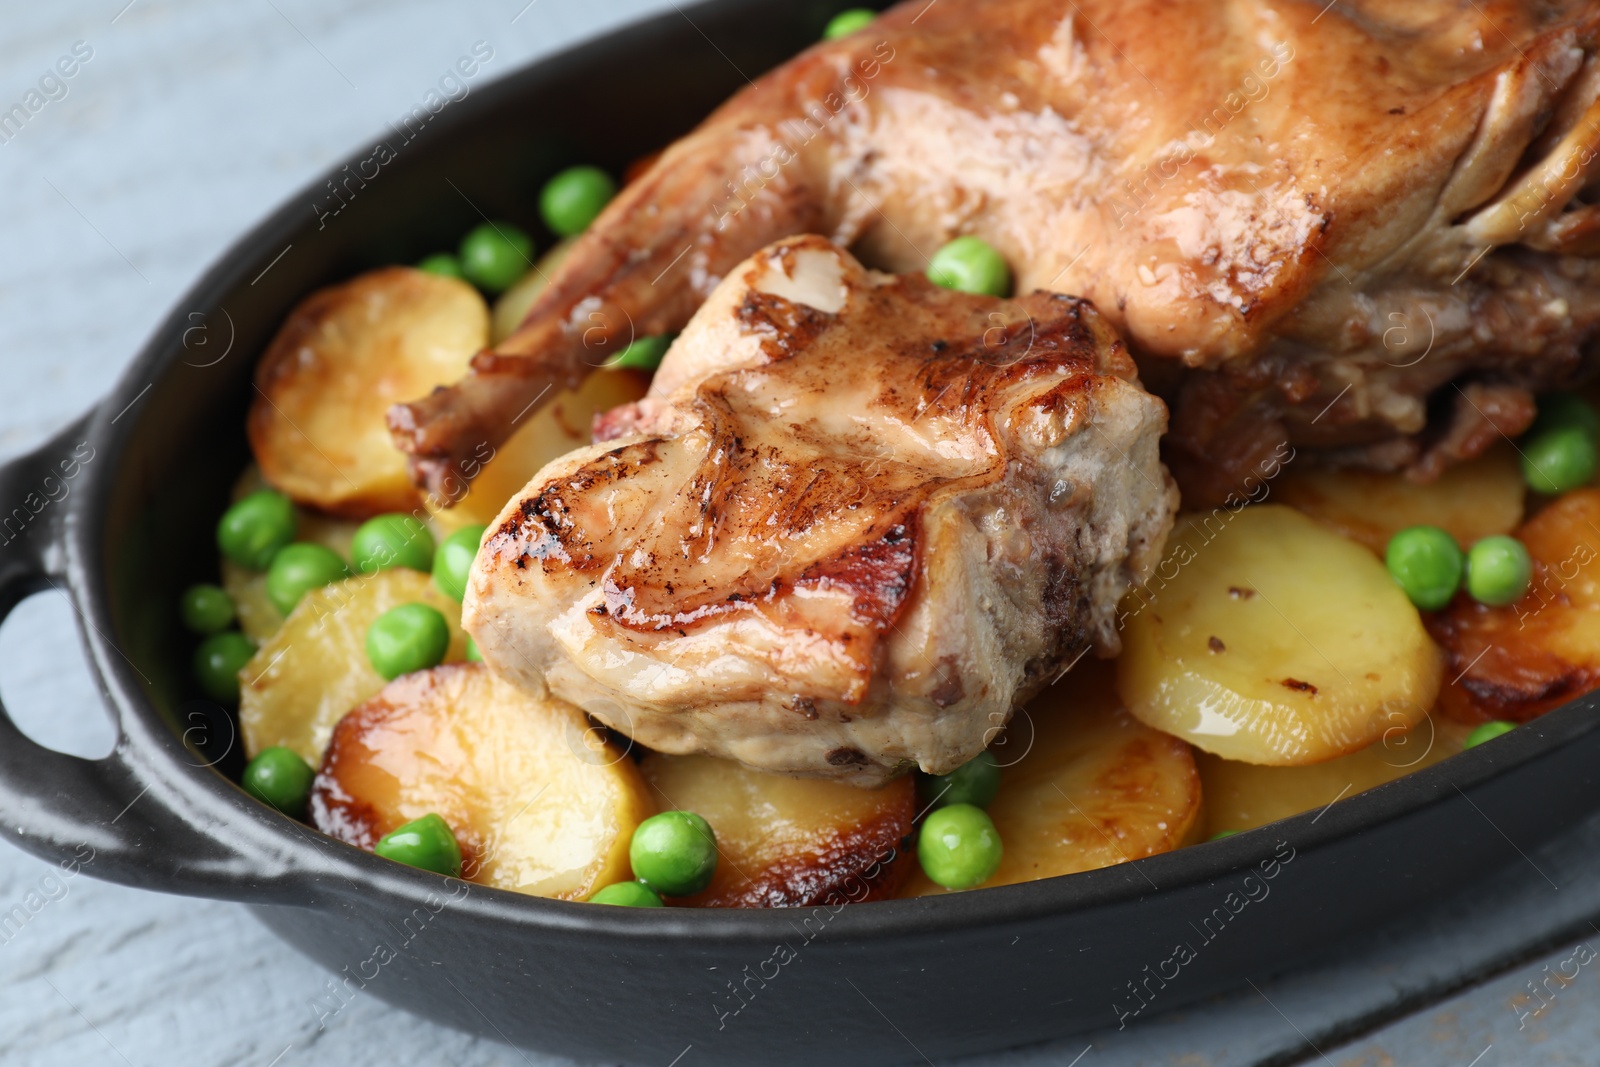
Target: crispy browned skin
[[1522, 660], [1295, 199], [856, 517]]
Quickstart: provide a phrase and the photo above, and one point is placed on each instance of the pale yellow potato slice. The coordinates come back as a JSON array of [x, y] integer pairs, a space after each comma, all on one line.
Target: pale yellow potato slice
[[341, 359], [538, 801], [1242, 796], [1268, 638], [1472, 500], [789, 842], [546, 433], [315, 667], [1087, 786], [259, 617]]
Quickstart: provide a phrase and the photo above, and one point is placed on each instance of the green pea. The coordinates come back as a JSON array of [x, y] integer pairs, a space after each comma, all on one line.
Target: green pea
[[959, 847], [1220, 834], [974, 782], [1498, 569], [1427, 563], [674, 853], [572, 199], [443, 264], [1558, 410], [411, 637], [280, 778], [206, 609], [473, 655], [642, 353], [217, 663], [428, 843], [453, 560], [847, 22], [299, 568], [970, 265], [253, 529], [628, 895], [1558, 459], [495, 254], [1487, 732], [393, 540]]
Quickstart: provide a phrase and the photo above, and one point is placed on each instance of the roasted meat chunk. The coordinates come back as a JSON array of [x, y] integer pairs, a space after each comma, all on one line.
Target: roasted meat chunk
[[856, 520], [1363, 227]]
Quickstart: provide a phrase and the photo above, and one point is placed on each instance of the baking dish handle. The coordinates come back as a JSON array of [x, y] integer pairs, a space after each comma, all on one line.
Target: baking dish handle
[[144, 815]]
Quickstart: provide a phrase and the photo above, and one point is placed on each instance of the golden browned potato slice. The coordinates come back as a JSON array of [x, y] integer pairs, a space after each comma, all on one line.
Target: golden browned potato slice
[[789, 842], [551, 431], [1268, 638], [1241, 796], [539, 802], [1087, 786], [315, 667], [1472, 500], [345, 354], [513, 305], [1520, 661]]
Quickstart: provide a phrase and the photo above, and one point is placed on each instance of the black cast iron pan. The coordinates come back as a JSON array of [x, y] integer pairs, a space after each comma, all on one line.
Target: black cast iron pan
[[149, 470]]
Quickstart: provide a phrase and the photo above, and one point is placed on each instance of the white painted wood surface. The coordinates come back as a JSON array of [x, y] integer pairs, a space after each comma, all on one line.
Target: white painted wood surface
[[189, 122]]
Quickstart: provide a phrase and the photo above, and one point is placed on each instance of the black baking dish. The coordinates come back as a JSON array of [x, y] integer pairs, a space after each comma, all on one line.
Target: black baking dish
[[887, 982]]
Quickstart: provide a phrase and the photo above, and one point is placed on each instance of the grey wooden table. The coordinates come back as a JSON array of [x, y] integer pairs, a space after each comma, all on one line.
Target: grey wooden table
[[183, 123]]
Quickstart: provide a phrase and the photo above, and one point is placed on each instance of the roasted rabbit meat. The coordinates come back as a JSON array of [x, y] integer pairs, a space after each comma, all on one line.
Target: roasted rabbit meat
[[857, 518], [1364, 227]]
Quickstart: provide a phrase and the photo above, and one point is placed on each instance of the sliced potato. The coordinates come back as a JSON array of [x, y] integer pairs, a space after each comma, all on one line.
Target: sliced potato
[[1089, 787], [1267, 638], [315, 667], [1241, 796], [1472, 500], [345, 354], [259, 617], [1520, 661], [789, 842], [539, 802], [513, 305], [551, 431]]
